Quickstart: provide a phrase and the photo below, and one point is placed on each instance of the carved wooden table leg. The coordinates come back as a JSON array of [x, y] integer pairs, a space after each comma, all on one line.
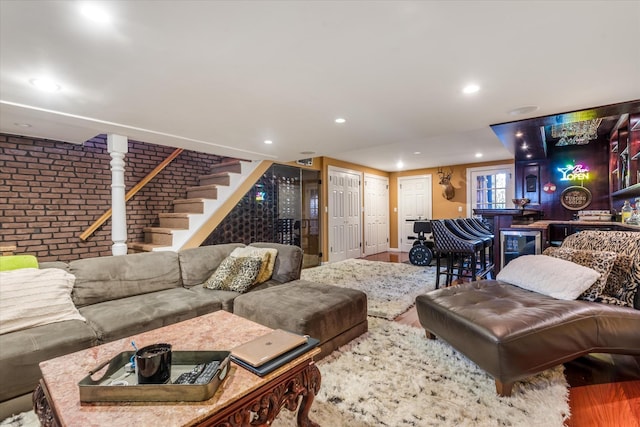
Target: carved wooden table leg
[[262, 409], [42, 408]]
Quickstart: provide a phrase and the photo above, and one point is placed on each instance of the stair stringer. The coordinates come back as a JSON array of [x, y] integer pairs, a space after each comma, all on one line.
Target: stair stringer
[[202, 224]]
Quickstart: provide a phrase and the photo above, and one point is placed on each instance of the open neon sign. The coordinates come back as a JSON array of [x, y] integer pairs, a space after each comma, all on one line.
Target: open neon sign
[[574, 173]]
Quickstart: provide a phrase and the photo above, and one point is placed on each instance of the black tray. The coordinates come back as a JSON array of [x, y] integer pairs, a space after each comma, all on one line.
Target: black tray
[[103, 389]]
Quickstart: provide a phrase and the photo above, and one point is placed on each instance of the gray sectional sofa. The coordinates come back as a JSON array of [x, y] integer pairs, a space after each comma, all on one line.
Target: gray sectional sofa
[[125, 295]]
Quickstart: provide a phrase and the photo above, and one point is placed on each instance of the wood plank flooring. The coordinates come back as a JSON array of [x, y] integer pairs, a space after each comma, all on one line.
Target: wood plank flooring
[[604, 388]]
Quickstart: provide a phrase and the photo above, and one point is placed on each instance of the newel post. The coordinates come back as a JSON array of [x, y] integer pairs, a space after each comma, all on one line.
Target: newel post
[[117, 145]]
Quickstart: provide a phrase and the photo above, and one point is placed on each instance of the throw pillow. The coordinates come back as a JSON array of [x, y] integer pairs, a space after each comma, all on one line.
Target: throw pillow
[[621, 287], [600, 261], [235, 274], [32, 297], [550, 276], [14, 262], [267, 255]]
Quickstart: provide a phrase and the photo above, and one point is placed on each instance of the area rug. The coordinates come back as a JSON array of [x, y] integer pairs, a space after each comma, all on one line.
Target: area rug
[[391, 288], [395, 376]]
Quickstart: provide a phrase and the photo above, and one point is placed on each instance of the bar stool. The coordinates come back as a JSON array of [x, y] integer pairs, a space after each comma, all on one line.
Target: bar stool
[[488, 238], [453, 226], [455, 250]]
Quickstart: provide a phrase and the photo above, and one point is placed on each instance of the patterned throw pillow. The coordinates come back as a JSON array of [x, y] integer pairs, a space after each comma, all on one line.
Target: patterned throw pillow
[[235, 274], [600, 261], [623, 243], [267, 255], [621, 288]]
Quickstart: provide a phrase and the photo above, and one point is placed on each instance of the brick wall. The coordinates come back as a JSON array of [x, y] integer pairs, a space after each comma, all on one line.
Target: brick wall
[[52, 191]]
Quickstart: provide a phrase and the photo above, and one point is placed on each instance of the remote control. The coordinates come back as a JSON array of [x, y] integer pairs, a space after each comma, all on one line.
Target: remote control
[[208, 372], [191, 376]]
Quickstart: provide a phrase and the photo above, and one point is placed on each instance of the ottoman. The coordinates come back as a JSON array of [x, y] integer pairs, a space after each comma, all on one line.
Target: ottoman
[[331, 314]]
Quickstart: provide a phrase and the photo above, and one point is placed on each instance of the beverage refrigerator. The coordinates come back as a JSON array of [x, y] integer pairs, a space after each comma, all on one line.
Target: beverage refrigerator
[[515, 243]]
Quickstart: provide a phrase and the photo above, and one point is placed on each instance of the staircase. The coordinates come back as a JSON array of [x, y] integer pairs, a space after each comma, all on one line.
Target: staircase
[[195, 217]]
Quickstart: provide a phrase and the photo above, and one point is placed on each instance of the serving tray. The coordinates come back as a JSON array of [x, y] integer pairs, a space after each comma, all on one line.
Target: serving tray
[[117, 385]]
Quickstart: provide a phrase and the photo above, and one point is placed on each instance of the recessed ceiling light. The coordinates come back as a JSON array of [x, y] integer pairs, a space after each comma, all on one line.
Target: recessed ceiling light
[[529, 156], [95, 13], [417, 152], [400, 165], [340, 120], [523, 110], [519, 134], [23, 125], [524, 146], [472, 88], [45, 85], [478, 155], [268, 141]]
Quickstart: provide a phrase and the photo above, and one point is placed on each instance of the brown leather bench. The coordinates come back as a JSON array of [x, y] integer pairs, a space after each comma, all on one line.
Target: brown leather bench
[[513, 333]]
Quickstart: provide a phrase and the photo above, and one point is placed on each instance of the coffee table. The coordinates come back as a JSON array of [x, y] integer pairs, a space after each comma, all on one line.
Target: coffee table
[[242, 399]]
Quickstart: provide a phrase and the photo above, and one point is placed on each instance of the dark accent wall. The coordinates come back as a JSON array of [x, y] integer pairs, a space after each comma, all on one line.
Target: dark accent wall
[[52, 191], [531, 177]]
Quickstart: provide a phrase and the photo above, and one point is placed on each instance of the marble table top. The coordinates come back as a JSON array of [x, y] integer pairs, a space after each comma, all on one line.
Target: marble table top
[[216, 331]]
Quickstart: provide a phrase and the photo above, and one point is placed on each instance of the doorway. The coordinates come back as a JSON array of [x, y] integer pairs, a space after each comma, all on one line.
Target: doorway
[[345, 237], [376, 214], [414, 203]]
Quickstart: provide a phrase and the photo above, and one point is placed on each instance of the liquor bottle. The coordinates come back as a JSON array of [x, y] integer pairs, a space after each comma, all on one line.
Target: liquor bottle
[[626, 211]]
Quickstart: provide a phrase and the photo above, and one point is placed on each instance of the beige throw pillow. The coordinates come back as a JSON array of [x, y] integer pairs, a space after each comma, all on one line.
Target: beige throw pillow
[[32, 297], [267, 255]]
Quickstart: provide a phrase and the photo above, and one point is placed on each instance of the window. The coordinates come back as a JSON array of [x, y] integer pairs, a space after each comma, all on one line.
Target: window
[[490, 187]]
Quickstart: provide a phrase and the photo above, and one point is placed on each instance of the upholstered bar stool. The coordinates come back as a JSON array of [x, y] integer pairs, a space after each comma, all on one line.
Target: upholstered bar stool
[[454, 249], [466, 225], [453, 226]]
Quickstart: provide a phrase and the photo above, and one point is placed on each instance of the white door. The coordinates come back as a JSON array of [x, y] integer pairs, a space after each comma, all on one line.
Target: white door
[[414, 203], [376, 214], [489, 187], [345, 237]]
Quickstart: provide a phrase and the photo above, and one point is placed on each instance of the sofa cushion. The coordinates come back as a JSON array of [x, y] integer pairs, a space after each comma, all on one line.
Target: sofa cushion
[[127, 316], [600, 261], [31, 297], [548, 276], [288, 262], [225, 298], [267, 256], [235, 274], [22, 351], [198, 264], [316, 309], [110, 278]]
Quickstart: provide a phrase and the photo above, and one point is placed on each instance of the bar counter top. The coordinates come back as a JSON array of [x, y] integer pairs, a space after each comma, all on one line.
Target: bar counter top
[[544, 224]]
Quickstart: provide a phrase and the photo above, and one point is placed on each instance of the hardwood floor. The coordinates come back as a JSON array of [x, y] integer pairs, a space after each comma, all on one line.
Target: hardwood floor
[[604, 388]]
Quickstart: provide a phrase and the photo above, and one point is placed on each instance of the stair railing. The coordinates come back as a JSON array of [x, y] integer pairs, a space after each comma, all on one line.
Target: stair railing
[[139, 186]]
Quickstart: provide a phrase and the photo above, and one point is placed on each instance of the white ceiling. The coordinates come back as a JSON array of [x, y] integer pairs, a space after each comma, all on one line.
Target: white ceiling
[[223, 76]]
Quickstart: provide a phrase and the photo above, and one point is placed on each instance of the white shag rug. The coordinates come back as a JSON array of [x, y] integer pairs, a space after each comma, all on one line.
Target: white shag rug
[[395, 376], [391, 288]]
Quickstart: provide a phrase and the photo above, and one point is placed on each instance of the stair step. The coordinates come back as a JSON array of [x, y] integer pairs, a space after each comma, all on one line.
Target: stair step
[[203, 192], [233, 166], [158, 236], [176, 221], [188, 206], [222, 178], [137, 247]]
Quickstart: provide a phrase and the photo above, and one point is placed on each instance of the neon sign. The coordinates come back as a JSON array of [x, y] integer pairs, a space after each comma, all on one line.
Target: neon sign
[[574, 173]]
